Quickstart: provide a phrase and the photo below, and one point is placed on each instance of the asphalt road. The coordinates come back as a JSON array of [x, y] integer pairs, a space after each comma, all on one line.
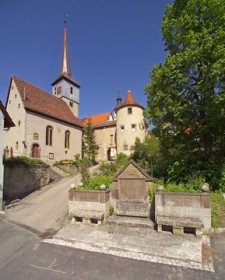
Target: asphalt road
[[44, 209], [23, 256]]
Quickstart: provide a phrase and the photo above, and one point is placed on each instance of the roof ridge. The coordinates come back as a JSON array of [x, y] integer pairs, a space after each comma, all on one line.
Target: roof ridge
[[40, 101]]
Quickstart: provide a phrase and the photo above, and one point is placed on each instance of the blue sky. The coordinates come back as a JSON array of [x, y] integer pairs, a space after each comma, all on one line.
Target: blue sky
[[113, 45]]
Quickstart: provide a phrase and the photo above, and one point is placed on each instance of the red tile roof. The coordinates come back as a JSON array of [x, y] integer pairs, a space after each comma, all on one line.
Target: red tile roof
[[129, 101], [40, 101], [97, 119]]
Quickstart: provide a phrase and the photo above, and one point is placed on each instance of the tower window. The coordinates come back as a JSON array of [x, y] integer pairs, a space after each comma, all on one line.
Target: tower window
[[111, 139], [17, 145], [71, 104], [71, 90], [55, 90], [133, 127], [19, 123], [59, 89], [122, 128], [49, 134], [125, 147], [67, 139], [19, 105], [129, 110]]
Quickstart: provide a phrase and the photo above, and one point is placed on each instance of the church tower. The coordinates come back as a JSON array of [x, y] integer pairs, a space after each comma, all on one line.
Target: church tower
[[65, 87]]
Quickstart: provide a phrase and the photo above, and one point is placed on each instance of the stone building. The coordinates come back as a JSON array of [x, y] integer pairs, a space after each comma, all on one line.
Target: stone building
[[48, 125], [116, 133]]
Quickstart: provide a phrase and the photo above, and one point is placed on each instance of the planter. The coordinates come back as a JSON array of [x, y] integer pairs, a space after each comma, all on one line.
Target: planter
[[89, 201]]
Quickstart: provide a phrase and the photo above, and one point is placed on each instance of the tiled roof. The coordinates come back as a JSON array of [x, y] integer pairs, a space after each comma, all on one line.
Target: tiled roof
[[97, 119], [40, 101], [105, 124], [129, 101], [7, 120]]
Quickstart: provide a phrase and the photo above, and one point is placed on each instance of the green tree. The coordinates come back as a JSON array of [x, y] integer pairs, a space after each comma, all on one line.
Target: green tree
[[90, 148], [147, 154], [186, 97]]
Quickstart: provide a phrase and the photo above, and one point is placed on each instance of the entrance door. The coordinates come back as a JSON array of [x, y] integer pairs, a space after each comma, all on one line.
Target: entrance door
[[36, 151]]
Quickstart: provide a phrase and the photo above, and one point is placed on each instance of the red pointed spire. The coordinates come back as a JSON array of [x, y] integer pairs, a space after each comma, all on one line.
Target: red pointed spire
[[65, 69], [129, 100]]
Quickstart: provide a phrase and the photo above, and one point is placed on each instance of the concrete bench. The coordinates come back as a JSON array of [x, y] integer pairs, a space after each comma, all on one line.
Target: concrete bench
[[88, 216], [179, 223]]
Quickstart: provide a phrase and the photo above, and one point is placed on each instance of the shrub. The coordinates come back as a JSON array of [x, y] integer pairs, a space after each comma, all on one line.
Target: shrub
[[121, 160], [96, 182], [107, 169], [111, 210], [22, 160]]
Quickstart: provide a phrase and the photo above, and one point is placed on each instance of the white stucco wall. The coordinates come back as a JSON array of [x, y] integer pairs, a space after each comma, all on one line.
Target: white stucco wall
[[37, 124], [1, 157], [128, 136], [103, 140], [17, 113], [21, 137]]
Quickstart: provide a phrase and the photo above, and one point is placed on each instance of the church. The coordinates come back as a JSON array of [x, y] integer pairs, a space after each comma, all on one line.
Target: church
[[47, 125]]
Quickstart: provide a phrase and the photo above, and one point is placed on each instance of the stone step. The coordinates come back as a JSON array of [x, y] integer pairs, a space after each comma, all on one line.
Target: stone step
[[134, 222], [59, 171]]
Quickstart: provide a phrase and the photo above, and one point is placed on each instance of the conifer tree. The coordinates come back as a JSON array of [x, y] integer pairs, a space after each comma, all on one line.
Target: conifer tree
[[90, 148]]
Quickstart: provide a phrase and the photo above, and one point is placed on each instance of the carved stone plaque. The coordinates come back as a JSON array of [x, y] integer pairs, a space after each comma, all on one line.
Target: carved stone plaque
[[132, 208]]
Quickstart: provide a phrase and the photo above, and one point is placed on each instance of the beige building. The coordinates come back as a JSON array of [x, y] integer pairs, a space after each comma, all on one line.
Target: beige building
[[48, 125], [116, 133]]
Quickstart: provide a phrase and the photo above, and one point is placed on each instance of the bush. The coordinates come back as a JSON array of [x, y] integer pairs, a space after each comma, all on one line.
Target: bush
[[22, 160], [192, 185], [121, 160], [107, 169], [96, 182], [64, 162]]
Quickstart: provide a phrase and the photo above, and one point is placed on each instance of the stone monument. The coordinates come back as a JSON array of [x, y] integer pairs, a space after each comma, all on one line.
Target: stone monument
[[129, 191]]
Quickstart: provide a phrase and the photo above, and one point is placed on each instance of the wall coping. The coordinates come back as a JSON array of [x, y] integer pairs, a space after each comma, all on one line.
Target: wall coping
[[90, 191]]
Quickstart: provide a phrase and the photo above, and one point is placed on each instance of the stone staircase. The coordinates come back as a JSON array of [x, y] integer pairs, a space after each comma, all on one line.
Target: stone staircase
[[134, 222], [57, 174]]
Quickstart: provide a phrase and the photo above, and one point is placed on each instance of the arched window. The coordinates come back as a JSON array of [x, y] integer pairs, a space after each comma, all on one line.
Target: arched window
[[67, 139], [49, 133]]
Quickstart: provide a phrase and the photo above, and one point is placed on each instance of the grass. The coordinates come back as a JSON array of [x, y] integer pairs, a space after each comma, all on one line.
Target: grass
[[217, 202]]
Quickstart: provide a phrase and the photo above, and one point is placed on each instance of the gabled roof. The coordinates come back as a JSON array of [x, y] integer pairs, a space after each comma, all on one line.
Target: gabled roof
[[98, 119], [7, 120], [41, 102], [67, 78], [129, 101], [144, 174]]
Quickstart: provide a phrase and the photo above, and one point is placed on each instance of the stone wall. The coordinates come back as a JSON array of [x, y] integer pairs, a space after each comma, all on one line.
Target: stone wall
[[82, 200], [184, 205], [20, 181]]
